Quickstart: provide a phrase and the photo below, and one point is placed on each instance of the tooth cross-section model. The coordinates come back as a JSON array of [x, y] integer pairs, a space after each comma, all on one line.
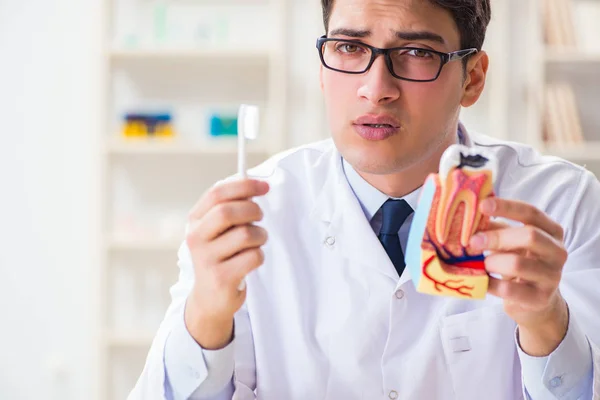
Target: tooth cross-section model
[[438, 256]]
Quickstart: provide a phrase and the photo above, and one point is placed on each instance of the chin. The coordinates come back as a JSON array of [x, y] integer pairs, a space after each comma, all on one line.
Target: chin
[[372, 161]]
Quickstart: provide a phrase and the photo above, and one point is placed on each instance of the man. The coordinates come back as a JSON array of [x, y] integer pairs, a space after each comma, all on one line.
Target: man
[[325, 314]]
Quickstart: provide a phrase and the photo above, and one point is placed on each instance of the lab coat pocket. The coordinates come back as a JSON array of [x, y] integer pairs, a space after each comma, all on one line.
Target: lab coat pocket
[[481, 356]]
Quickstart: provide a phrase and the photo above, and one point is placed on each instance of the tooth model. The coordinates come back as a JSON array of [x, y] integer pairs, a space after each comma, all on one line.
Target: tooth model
[[437, 255]]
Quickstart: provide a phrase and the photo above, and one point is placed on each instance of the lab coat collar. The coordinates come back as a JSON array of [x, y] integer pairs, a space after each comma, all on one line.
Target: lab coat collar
[[348, 233]]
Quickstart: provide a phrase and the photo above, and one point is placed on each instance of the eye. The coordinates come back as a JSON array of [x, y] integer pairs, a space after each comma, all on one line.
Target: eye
[[419, 53], [348, 48]]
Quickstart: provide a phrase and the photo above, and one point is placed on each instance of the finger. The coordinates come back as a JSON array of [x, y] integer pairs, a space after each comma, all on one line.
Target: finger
[[521, 238], [491, 226], [494, 225], [511, 265], [224, 216], [236, 240], [518, 292], [242, 264], [226, 192], [523, 212]]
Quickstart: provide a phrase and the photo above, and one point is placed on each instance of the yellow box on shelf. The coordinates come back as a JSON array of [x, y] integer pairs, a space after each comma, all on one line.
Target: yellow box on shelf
[[145, 125]]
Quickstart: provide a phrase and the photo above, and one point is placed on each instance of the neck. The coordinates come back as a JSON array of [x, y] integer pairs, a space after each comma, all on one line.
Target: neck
[[409, 179]]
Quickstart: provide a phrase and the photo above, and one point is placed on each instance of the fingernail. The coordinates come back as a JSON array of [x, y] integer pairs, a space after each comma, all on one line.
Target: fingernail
[[478, 241], [263, 185], [488, 206]]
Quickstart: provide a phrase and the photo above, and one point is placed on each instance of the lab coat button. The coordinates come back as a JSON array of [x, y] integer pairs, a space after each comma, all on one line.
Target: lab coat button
[[400, 294], [393, 395], [330, 241], [556, 382]]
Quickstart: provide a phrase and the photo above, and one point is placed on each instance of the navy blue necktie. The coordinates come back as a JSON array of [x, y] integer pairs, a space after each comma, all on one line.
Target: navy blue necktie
[[394, 213]]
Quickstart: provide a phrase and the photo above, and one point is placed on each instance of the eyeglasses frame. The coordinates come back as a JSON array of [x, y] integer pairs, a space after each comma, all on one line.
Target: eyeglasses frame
[[376, 52]]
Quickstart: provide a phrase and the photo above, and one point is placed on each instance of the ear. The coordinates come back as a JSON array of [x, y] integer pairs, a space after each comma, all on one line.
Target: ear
[[476, 72]]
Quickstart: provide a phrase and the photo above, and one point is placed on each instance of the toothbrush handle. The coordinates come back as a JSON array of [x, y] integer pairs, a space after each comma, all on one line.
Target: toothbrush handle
[[242, 156], [243, 175]]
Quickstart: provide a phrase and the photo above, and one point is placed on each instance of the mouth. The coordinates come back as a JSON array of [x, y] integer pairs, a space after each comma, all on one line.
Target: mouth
[[376, 127], [378, 121]]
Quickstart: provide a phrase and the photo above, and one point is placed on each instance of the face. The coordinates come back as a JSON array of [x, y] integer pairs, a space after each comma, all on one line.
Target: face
[[420, 118]]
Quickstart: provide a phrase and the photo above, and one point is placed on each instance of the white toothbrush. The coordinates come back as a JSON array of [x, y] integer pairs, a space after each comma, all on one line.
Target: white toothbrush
[[248, 120], [248, 123]]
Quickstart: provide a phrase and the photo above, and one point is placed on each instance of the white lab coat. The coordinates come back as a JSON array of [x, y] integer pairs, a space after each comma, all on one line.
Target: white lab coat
[[326, 316]]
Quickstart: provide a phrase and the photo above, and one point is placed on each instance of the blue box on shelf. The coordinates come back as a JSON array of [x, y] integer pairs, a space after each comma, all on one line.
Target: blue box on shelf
[[223, 125]]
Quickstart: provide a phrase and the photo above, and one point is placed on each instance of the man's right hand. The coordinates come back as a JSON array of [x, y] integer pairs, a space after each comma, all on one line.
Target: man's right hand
[[225, 246]]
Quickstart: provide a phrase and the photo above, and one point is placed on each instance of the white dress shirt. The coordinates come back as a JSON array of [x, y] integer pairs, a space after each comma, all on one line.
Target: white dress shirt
[[327, 316]]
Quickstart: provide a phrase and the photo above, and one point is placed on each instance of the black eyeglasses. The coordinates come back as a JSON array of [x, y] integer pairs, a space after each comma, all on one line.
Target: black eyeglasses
[[408, 63]]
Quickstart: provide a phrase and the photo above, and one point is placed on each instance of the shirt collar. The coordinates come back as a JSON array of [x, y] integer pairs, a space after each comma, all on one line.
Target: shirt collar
[[370, 198]]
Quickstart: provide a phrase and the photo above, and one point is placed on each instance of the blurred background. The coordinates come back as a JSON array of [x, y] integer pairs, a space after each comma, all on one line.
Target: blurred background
[[118, 114]]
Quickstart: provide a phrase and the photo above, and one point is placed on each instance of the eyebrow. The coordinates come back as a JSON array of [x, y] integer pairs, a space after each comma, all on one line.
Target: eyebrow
[[421, 35], [350, 32], [406, 35]]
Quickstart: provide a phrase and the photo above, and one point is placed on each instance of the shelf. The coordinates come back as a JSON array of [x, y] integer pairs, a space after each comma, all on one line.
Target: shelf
[[571, 57], [575, 152], [178, 147], [130, 339], [241, 53], [144, 245]]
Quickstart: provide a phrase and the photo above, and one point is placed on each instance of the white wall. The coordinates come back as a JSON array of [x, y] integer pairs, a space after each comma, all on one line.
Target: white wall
[[49, 99]]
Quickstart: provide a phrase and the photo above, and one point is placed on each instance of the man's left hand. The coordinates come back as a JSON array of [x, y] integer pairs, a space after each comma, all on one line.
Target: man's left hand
[[530, 258]]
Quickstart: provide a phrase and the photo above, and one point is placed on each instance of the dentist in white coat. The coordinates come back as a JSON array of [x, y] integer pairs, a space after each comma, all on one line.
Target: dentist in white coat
[[329, 312]]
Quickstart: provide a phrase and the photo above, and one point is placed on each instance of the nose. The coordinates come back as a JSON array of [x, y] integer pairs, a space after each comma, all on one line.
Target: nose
[[379, 86]]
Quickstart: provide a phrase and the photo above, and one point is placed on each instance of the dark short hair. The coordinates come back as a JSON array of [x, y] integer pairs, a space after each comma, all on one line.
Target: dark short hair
[[472, 18]]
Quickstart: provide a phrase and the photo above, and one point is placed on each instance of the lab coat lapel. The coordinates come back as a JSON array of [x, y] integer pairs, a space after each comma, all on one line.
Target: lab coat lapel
[[354, 241]]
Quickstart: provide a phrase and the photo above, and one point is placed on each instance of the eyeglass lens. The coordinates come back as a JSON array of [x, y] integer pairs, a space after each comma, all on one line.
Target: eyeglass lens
[[416, 64]]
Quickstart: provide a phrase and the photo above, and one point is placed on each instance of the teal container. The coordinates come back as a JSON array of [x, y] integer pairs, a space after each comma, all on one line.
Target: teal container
[[223, 125]]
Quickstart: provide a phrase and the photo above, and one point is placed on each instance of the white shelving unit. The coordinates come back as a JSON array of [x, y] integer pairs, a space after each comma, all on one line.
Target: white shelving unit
[[118, 147], [191, 59], [521, 65], [174, 55], [143, 245], [579, 67], [128, 340], [572, 57]]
